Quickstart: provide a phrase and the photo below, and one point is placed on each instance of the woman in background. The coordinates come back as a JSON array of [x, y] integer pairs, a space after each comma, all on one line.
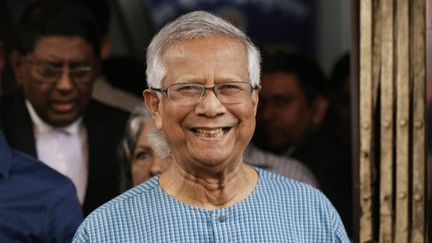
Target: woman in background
[[143, 151]]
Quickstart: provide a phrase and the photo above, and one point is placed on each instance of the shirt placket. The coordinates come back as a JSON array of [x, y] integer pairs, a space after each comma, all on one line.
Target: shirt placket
[[220, 221]]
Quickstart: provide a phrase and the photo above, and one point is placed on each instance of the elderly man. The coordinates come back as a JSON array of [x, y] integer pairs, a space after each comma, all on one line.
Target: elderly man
[[203, 75]]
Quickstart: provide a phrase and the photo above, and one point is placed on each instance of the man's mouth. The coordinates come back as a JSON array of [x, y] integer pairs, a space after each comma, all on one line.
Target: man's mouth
[[211, 133], [63, 106]]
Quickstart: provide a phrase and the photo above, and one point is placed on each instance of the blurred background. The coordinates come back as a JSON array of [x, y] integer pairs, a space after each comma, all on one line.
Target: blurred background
[[319, 29]]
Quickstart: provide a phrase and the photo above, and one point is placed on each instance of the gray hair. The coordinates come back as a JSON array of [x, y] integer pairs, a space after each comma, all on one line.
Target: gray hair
[[138, 119], [197, 24]]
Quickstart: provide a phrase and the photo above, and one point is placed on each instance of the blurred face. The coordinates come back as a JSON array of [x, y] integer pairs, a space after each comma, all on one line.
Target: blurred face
[[57, 78], [145, 162], [284, 115], [207, 135]]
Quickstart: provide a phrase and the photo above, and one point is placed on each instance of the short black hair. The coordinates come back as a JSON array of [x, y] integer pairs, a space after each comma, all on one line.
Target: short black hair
[[56, 17], [309, 74], [101, 9]]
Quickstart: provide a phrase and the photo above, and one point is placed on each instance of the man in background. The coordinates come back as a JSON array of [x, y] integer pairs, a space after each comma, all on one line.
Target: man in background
[[292, 121], [52, 116], [37, 204]]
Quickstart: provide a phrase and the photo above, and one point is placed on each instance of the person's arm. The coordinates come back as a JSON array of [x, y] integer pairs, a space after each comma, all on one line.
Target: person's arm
[[65, 213]]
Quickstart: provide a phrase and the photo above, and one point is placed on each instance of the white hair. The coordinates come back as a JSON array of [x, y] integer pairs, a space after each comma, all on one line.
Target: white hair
[[138, 119], [197, 24]]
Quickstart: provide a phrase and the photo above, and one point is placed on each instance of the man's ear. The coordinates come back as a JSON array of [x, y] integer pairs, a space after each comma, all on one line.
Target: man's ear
[[153, 104], [320, 105], [16, 60]]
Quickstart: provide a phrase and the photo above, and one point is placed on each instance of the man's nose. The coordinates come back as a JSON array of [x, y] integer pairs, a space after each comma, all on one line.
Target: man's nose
[[210, 105], [65, 82]]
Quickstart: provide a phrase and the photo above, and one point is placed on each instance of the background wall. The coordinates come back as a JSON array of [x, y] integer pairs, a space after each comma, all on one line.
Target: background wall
[[327, 34], [334, 32], [320, 29]]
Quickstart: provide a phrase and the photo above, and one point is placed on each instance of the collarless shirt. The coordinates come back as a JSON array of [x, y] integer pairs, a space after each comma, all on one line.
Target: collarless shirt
[[63, 149], [278, 210], [37, 204]]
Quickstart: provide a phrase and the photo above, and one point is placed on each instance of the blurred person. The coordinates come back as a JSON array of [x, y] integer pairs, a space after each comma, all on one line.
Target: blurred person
[[37, 204], [139, 158], [293, 102], [292, 121], [340, 99], [203, 76], [338, 128], [52, 116]]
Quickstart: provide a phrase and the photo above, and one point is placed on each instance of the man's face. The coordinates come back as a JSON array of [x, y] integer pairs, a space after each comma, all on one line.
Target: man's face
[[57, 78], [284, 115], [208, 134]]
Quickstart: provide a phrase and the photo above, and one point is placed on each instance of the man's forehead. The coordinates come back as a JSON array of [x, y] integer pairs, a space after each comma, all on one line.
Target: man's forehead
[[209, 42], [62, 43]]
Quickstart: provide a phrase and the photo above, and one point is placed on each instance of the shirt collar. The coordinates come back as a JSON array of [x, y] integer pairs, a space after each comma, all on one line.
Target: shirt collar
[[43, 127]]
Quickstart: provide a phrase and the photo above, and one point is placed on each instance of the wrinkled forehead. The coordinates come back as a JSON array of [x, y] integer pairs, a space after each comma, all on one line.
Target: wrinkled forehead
[[209, 59]]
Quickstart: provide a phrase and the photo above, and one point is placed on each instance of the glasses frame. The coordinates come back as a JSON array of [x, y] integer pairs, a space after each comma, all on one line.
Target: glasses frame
[[214, 88], [59, 70]]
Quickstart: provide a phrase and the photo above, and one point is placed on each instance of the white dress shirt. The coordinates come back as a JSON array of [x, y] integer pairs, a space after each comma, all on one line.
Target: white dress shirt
[[64, 149]]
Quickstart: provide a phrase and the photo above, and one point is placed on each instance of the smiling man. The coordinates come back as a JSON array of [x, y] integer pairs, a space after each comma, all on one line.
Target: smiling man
[[52, 116], [203, 75]]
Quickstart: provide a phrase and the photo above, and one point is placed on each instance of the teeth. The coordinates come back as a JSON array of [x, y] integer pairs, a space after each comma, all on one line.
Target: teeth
[[210, 133]]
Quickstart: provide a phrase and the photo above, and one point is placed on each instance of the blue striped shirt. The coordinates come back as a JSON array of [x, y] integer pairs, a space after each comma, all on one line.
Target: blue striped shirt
[[278, 210]]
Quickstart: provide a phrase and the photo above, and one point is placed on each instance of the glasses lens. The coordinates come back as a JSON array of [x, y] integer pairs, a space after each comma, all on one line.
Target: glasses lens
[[185, 94], [227, 93], [233, 92], [81, 74], [48, 73]]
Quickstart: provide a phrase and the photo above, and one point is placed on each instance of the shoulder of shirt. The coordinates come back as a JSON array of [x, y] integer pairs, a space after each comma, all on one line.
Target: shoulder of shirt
[[26, 165], [140, 190]]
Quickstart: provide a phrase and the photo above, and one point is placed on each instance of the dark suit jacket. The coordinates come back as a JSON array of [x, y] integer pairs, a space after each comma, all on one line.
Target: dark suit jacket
[[105, 127]]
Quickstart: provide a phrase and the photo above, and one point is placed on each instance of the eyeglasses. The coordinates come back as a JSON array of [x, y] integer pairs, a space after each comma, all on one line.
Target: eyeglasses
[[190, 93], [49, 73]]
